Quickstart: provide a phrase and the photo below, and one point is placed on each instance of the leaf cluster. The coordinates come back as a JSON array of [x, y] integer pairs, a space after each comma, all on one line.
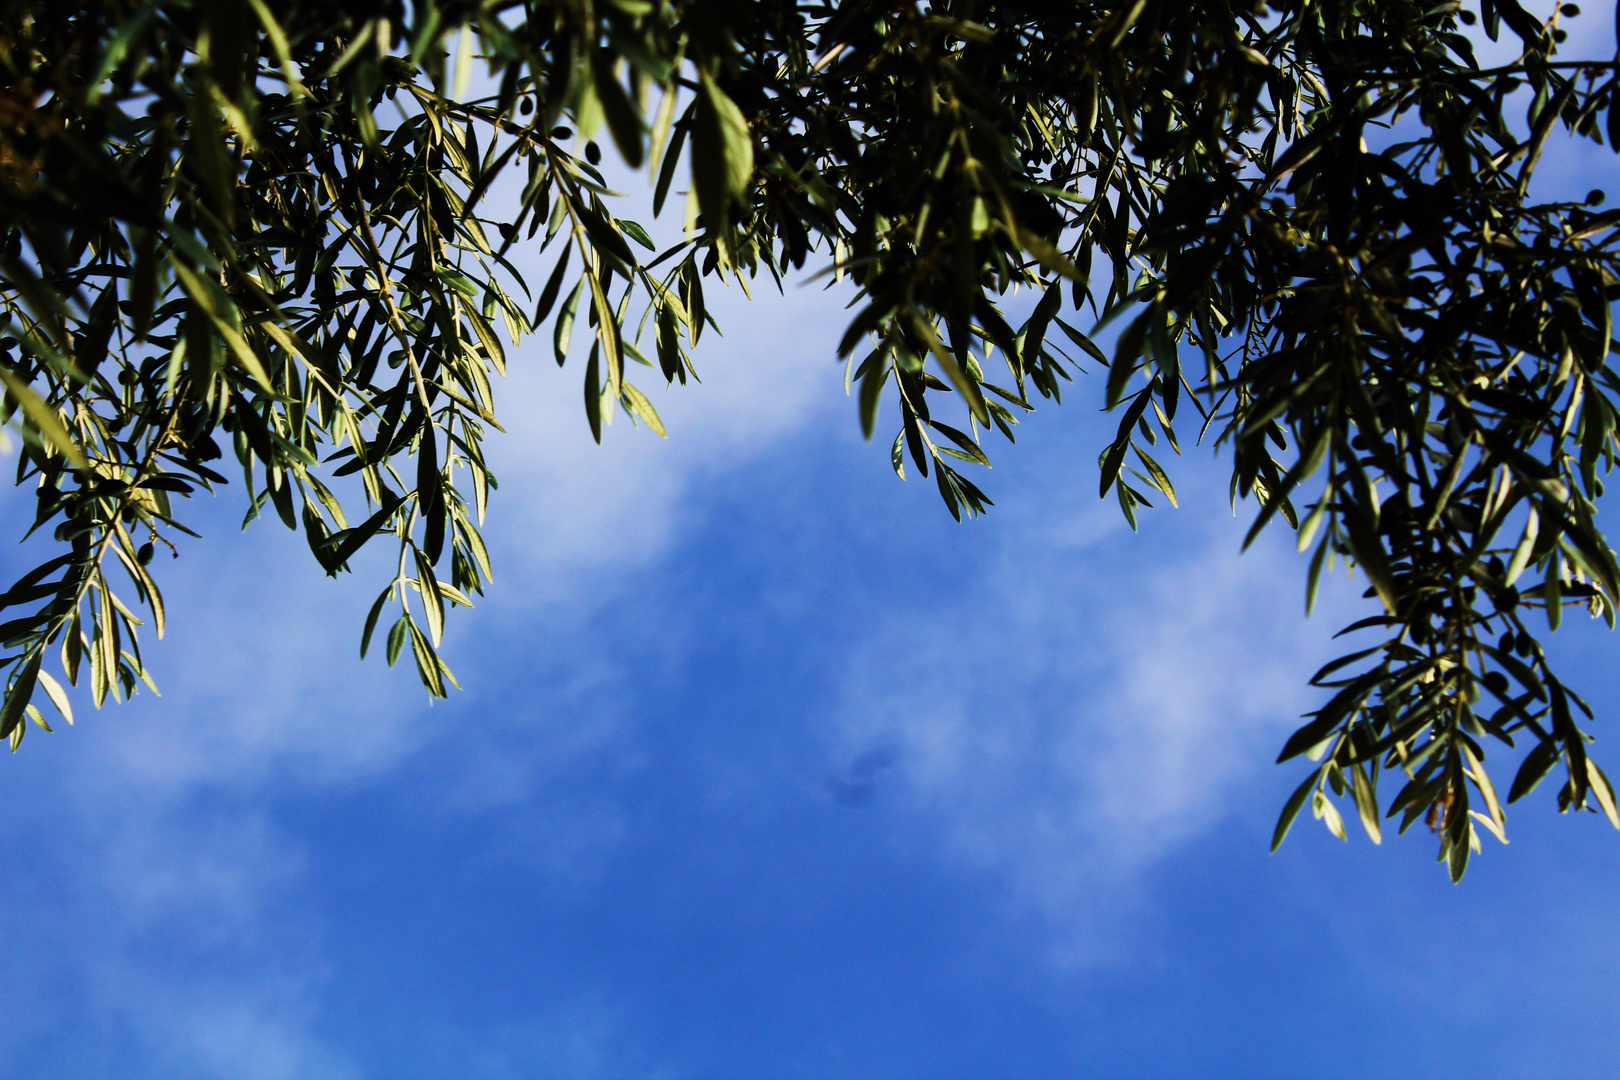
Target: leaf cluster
[[1315, 227]]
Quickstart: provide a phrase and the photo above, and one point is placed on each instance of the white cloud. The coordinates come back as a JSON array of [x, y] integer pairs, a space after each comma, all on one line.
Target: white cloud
[[567, 504], [1074, 718], [157, 938], [159, 806]]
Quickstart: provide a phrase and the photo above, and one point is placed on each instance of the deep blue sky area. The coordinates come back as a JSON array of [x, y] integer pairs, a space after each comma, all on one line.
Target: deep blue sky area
[[765, 767]]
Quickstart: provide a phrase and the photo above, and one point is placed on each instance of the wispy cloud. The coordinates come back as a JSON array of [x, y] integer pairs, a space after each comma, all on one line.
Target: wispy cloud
[[163, 898], [159, 939], [1072, 719]]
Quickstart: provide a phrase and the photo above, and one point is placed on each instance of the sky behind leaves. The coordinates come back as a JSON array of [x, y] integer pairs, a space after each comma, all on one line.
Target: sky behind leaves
[[765, 767]]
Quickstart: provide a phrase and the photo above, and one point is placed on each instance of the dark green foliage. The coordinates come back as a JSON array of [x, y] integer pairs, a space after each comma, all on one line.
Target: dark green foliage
[[259, 227]]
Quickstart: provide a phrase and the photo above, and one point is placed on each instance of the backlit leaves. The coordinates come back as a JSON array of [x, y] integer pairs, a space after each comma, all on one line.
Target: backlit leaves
[[275, 233]]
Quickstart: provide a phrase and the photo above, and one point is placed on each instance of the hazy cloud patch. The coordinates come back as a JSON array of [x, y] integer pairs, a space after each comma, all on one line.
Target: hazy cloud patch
[[1073, 718]]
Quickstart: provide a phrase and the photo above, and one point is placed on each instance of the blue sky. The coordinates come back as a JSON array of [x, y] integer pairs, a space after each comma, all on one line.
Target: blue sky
[[767, 768]]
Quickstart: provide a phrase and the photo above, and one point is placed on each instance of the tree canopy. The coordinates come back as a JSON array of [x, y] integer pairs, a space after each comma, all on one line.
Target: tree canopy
[[277, 231]]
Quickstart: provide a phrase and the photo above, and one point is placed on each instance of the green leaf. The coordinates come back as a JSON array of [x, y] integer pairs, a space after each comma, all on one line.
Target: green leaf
[[722, 152], [1278, 500], [877, 366], [970, 449], [662, 121], [1084, 342], [17, 697], [1291, 809], [637, 404], [1537, 764], [1114, 457], [430, 502], [486, 337], [278, 43], [666, 336], [1366, 802], [1457, 856], [1128, 354], [44, 417], [593, 395], [953, 371], [1552, 589], [548, 295], [118, 47], [623, 119], [1599, 783], [319, 364], [637, 233], [1047, 255], [1328, 718], [397, 636], [1526, 545], [59, 698], [607, 333], [1127, 504], [216, 306], [1370, 554], [371, 620], [344, 544], [432, 600], [1323, 808], [427, 662], [1161, 479], [1482, 781], [565, 323], [672, 156], [457, 281]]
